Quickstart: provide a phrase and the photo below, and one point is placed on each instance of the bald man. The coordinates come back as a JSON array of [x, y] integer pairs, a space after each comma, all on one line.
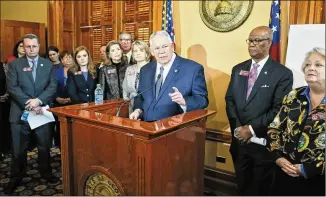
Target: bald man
[[253, 99]]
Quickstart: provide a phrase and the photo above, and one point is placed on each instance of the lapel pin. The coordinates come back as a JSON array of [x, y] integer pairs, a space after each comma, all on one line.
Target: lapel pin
[[265, 72], [41, 64]]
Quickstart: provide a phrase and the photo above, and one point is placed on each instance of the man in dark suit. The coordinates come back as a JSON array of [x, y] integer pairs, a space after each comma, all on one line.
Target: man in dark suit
[[175, 85], [31, 83], [253, 99]]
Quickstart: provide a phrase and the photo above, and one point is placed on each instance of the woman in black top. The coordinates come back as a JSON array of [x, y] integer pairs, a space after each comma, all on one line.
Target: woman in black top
[[113, 72]]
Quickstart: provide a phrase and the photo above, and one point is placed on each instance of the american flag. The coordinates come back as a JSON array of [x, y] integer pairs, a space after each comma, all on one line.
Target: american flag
[[274, 24], [167, 20]]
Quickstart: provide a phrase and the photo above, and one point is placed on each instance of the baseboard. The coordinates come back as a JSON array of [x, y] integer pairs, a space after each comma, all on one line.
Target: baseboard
[[218, 182]]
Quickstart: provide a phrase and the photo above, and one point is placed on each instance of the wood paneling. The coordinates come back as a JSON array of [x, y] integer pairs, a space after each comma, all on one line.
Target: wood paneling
[[12, 31], [137, 18], [68, 26], [93, 23], [307, 12], [164, 157], [55, 23]]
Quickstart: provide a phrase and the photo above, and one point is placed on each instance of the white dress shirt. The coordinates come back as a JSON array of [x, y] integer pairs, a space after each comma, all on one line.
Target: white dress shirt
[[261, 64]]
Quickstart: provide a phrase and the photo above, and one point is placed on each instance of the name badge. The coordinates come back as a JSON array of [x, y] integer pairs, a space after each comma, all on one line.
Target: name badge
[[112, 71], [244, 73], [131, 73], [318, 116], [27, 69]]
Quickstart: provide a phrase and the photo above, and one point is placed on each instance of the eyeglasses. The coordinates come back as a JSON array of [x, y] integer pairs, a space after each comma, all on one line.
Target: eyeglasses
[[125, 40], [256, 41]]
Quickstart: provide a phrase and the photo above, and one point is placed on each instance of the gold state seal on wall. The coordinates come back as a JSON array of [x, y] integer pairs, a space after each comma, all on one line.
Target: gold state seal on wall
[[224, 16]]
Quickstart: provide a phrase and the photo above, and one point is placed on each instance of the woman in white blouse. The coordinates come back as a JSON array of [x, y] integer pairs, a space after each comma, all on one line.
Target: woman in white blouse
[[141, 53]]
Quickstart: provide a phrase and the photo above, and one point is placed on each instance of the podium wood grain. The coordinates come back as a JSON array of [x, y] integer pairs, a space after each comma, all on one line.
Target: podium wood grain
[[164, 157]]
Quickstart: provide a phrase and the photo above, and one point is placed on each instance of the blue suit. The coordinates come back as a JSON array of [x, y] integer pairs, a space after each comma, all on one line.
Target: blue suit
[[186, 75], [62, 90]]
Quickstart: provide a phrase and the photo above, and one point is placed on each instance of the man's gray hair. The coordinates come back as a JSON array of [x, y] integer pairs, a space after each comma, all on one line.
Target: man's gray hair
[[319, 50], [31, 36], [125, 32], [160, 33]]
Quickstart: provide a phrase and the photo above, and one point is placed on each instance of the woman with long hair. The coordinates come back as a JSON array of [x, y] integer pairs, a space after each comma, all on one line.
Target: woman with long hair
[[82, 77], [112, 73]]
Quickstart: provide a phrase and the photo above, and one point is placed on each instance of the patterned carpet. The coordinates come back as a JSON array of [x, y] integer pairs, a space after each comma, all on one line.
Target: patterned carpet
[[32, 184]]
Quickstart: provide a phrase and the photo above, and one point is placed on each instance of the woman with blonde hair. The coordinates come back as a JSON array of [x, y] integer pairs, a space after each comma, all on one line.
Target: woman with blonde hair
[[112, 73], [296, 139], [142, 55], [81, 81]]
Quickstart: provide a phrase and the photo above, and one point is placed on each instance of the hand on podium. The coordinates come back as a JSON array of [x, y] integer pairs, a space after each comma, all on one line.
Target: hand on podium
[[135, 114]]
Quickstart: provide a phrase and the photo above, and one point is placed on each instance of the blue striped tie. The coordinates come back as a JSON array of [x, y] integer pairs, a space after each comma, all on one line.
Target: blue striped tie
[[34, 69]]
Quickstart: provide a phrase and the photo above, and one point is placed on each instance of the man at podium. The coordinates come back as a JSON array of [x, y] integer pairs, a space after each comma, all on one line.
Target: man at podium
[[170, 85]]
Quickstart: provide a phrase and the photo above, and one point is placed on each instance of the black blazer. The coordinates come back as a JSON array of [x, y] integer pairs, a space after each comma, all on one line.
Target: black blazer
[[80, 90], [265, 99]]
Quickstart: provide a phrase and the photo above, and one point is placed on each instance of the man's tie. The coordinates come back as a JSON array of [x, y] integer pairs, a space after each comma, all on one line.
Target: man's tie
[[159, 83], [34, 69], [252, 78]]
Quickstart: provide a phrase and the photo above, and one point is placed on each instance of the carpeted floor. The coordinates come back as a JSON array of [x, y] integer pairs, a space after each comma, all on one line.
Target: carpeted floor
[[32, 184]]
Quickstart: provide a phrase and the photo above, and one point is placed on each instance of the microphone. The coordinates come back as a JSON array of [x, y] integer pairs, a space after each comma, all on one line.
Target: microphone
[[118, 112]]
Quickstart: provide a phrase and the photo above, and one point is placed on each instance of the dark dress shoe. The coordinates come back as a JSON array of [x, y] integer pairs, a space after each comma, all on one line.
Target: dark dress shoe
[[50, 178], [12, 186]]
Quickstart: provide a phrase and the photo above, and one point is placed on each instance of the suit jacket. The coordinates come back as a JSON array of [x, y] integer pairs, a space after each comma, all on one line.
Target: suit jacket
[[111, 79], [264, 101], [22, 87], [80, 90], [186, 75]]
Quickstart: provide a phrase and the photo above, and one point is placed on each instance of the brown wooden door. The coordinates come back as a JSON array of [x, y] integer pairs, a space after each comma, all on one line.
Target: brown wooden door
[[12, 31]]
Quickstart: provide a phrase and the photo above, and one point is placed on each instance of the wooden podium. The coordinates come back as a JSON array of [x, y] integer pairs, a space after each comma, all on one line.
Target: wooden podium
[[103, 154]]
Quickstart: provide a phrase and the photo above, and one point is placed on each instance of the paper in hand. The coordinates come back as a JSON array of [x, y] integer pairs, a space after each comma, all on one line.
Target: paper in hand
[[37, 120]]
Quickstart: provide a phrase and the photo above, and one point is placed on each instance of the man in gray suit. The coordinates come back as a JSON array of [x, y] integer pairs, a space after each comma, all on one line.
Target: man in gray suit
[[31, 83]]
